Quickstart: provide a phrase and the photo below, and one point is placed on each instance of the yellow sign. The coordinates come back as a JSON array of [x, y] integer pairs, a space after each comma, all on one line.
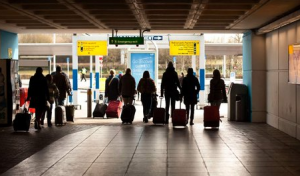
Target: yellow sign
[[184, 47], [91, 48], [291, 49], [10, 53]]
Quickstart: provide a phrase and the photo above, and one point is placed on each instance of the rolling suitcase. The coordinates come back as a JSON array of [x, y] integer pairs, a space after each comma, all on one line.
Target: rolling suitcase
[[114, 109], [128, 113], [179, 117], [211, 116], [159, 114], [153, 105], [70, 111], [22, 120], [60, 114], [99, 110]]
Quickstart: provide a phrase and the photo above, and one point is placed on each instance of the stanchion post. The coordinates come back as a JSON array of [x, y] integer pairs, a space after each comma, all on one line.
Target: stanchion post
[[89, 103]]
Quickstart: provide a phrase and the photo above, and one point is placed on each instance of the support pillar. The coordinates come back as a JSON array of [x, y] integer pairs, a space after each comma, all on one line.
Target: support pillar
[[194, 62], [75, 70], [224, 66], [202, 98], [97, 77], [254, 75]]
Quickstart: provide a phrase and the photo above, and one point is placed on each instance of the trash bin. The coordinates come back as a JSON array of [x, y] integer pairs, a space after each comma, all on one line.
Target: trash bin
[[240, 108]]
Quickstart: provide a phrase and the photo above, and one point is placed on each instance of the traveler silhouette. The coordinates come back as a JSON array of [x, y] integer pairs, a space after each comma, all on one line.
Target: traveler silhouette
[[190, 89], [169, 86]]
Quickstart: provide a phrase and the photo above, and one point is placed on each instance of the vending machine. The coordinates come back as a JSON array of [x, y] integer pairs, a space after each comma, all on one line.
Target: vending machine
[[9, 88]]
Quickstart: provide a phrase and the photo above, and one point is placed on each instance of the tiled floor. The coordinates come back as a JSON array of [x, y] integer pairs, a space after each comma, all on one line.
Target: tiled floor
[[144, 150]]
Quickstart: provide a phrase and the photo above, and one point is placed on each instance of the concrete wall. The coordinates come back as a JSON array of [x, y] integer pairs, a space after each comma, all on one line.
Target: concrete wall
[[8, 40], [283, 99], [254, 71]]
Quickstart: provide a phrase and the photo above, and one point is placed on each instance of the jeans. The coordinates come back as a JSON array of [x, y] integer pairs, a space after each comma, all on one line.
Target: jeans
[[216, 103], [168, 99], [49, 114], [187, 107], [147, 102], [127, 100], [61, 102]]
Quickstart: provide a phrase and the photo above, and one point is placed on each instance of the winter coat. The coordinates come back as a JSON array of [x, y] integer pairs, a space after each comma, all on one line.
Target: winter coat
[[62, 84], [146, 85], [127, 86], [190, 89], [217, 90], [170, 82], [112, 88], [38, 91], [53, 92]]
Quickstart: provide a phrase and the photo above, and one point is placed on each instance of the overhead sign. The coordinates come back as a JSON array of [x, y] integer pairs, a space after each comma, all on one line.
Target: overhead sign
[[126, 40], [184, 47], [91, 48], [158, 37]]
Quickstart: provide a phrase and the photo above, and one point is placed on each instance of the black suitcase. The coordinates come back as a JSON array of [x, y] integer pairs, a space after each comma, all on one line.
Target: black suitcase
[[99, 110], [128, 113], [60, 114], [22, 121], [70, 110]]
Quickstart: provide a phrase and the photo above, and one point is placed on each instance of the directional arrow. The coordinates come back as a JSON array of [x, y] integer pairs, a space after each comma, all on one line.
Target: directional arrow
[[157, 37]]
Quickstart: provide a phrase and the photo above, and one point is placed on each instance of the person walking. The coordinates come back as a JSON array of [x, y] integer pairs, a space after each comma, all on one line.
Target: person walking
[[217, 90], [112, 87], [127, 87], [83, 73], [38, 95], [181, 78], [53, 96], [146, 87], [169, 85], [190, 89], [62, 84]]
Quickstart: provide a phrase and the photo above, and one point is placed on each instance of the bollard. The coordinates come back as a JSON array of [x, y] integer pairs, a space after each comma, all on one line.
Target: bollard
[[89, 103]]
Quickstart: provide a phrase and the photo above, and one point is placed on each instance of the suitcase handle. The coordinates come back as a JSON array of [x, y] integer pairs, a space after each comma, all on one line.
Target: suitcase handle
[[160, 101]]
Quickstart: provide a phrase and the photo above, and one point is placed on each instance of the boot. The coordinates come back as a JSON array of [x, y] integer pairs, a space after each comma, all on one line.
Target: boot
[[191, 122]]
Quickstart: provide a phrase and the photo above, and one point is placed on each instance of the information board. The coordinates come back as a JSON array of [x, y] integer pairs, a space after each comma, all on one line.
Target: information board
[[91, 48], [141, 62], [184, 47]]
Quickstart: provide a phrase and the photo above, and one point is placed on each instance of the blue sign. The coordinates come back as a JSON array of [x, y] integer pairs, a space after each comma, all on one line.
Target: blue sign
[[174, 59], [141, 62], [157, 38]]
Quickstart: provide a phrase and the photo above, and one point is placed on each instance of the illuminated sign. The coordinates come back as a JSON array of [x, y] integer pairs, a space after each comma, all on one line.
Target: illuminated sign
[[91, 48], [184, 47], [126, 40]]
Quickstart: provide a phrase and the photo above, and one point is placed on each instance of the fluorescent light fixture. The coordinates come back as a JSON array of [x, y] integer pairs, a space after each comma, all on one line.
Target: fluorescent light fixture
[[295, 16]]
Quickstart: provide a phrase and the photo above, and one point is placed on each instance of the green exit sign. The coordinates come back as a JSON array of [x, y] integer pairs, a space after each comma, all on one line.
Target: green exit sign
[[126, 40]]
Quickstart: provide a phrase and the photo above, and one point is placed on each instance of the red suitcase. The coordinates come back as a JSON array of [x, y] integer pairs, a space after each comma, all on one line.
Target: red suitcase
[[159, 114], [114, 109], [179, 117], [211, 116], [23, 95]]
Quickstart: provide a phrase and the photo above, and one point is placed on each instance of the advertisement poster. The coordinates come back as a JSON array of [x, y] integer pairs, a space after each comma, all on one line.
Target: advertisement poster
[[294, 64], [141, 62]]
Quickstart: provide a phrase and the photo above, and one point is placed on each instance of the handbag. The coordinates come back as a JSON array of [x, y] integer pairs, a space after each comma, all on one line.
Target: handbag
[[177, 95]]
